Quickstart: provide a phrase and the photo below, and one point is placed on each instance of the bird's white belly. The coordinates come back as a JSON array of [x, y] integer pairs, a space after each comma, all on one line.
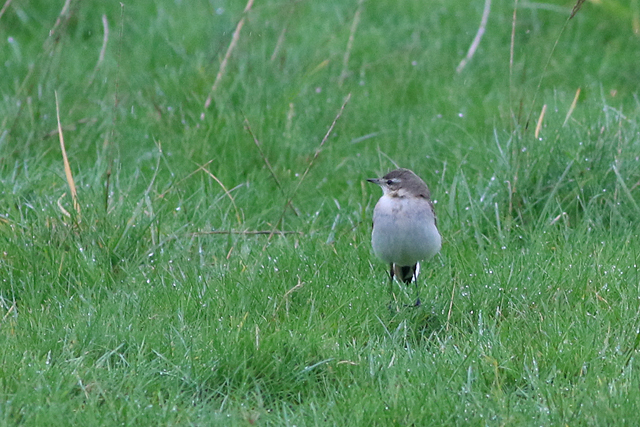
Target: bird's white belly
[[404, 231]]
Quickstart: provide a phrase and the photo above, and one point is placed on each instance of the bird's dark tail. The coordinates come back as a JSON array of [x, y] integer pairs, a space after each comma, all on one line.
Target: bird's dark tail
[[406, 273]]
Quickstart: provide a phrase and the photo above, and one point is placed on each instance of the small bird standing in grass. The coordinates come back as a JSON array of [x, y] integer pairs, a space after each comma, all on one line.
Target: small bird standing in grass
[[404, 225]]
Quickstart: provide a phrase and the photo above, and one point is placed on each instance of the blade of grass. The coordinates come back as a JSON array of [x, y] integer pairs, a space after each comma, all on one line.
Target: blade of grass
[[625, 189], [552, 194]]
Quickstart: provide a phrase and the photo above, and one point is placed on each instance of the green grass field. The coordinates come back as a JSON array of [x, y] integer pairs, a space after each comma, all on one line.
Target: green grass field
[[128, 310]]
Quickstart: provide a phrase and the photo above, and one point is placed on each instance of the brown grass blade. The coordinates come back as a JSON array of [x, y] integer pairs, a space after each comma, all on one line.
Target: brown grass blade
[[65, 159], [573, 107], [540, 119]]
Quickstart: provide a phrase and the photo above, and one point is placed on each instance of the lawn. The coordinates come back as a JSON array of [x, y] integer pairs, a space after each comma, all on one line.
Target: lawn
[[205, 257]]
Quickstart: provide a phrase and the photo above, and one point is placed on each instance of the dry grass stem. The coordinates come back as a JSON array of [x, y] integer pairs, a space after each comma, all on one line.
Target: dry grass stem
[[281, 37], [498, 222], [477, 38], [511, 55], [295, 288], [4, 7], [62, 209], [106, 145], [247, 232], [72, 127], [453, 293], [285, 297], [63, 13], [289, 123], [576, 8], [233, 202], [315, 156], [279, 43], [11, 309], [385, 155], [65, 159], [103, 49], [562, 215], [264, 157], [225, 60], [573, 107], [164, 193], [266, 162], [347, 53], [540, 119]]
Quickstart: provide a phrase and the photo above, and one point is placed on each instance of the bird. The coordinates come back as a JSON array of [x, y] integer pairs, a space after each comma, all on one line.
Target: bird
[[405, 230]]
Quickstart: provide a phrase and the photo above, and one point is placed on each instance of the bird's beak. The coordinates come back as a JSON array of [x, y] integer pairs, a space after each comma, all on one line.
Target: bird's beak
[[374, 180]]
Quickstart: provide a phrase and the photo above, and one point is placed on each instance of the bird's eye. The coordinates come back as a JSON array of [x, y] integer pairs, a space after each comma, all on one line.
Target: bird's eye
[[389, 181]]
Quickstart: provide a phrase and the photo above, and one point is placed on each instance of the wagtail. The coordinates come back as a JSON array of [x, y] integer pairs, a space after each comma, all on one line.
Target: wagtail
[[404, 225]]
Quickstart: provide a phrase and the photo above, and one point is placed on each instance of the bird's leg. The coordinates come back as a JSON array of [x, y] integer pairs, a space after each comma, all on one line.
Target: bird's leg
[[391, 275], [415, 279]]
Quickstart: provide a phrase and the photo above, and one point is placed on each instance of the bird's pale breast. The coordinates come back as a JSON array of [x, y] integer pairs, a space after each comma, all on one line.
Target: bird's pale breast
[[404, 230]]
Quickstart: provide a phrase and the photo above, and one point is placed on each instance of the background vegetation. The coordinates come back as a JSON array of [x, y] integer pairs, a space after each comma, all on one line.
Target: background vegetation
[[127, 310]]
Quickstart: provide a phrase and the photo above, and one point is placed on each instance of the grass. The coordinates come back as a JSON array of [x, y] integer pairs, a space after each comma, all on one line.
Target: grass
[[132, 313]]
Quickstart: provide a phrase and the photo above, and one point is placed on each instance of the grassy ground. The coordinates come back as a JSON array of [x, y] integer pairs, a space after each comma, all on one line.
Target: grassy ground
[[131, 312]]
